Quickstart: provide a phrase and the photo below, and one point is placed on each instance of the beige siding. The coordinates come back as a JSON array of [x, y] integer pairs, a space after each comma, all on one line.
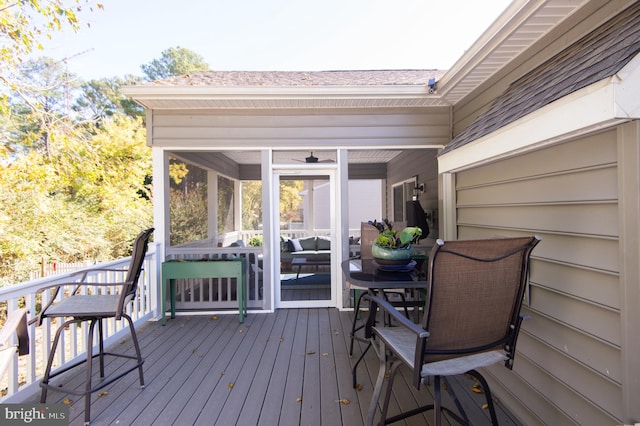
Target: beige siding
[[421, 163], [202, 128], [568, 368]]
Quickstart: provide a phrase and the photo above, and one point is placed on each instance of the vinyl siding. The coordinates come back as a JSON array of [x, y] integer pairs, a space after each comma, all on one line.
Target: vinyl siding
[[424, 165], [568, 367], [330, 128]]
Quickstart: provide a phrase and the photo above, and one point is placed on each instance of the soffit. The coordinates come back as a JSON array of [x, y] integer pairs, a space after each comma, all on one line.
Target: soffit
[[521, 25], [368, 156]]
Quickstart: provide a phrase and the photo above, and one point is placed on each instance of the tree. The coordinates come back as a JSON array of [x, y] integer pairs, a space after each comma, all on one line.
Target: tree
[[40, 103], [80, 202], [103, 98], [23, 24], [174, 61], [290, 200], [251, 204]]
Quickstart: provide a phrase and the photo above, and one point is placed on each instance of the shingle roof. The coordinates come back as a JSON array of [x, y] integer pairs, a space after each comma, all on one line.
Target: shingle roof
[[599, 55], [302, 78]]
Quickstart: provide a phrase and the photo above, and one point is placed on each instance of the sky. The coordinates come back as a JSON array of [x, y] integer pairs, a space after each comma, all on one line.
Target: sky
[[274, 35]]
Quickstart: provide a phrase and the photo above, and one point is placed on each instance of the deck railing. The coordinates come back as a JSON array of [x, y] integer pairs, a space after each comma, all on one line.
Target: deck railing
[[24, 372]]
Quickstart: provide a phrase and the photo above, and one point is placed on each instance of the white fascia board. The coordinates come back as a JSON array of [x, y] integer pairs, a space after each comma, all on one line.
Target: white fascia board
[[600, 105], [200, 92]]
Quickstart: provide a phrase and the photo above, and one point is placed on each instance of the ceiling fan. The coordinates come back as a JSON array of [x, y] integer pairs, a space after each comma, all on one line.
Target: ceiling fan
[[311, 159]]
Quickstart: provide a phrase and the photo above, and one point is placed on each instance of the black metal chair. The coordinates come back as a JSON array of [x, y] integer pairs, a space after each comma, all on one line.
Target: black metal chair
[[472, 319], [93, 308]]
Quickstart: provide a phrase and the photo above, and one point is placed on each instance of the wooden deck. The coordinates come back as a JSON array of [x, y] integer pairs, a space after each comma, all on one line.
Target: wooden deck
[[287, 368]]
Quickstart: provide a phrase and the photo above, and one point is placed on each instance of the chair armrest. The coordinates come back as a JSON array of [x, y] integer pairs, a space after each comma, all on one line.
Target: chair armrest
[[414, 358], [376, 302]]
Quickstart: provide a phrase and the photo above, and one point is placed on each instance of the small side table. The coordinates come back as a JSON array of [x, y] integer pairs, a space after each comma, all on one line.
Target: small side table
[[209, 268]]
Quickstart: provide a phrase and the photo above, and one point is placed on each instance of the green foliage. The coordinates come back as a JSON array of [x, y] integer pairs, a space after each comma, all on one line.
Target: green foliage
[[251, 204], [174, 61], [75, 171], [103, 98], [226, 196], [188, 214], [23, 23], [290, 200], [187, 203], [78, 202], [256, 241], [390, 238]]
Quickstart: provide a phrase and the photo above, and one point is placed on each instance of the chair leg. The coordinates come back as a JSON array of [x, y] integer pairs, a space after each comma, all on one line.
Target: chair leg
[[437, 401], [387, 395], [354, 371], [487, 394], [464, 418], [378, 387], [101, 348], [52, 354], [87, 387], [134, 337], [89, 361], [354, 327]]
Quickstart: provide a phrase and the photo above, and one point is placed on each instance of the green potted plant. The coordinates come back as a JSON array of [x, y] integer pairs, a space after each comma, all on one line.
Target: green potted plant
[[392, 247]]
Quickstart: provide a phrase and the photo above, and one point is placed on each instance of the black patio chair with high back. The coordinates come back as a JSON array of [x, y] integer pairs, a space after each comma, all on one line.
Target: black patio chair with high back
[[92, 306], [472, 319]]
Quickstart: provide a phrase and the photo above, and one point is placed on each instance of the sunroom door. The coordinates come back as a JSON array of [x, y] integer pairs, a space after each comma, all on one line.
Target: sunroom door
[[308, 259]]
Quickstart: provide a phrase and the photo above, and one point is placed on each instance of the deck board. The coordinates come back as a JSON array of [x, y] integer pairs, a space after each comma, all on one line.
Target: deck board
[[291, 367]]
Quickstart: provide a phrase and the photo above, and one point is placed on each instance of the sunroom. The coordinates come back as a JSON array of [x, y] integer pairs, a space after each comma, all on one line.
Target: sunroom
[[353, 146]]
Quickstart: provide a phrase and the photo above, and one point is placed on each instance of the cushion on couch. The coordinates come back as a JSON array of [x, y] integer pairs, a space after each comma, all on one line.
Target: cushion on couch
[[323, 243], [307, 243]]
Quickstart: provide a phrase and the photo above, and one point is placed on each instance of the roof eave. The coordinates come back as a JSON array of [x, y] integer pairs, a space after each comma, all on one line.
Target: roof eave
[[162, 97], [522, 24], [606, 103]]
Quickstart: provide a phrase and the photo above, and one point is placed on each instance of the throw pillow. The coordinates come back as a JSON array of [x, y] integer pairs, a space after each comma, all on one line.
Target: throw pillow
[[324, 243], [296, 245]]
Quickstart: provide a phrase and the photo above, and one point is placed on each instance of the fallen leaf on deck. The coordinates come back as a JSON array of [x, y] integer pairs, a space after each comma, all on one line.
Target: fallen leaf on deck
[[477, 388], [325, 354], [299, 399], [282, 339], [344, 401], [67, 401], [485, 406], [359, 387], [101, 394], [311, 352], [230, 385], [215, 317]]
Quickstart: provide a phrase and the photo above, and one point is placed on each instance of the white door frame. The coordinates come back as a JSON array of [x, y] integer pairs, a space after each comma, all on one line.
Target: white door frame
[[335, 208]]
